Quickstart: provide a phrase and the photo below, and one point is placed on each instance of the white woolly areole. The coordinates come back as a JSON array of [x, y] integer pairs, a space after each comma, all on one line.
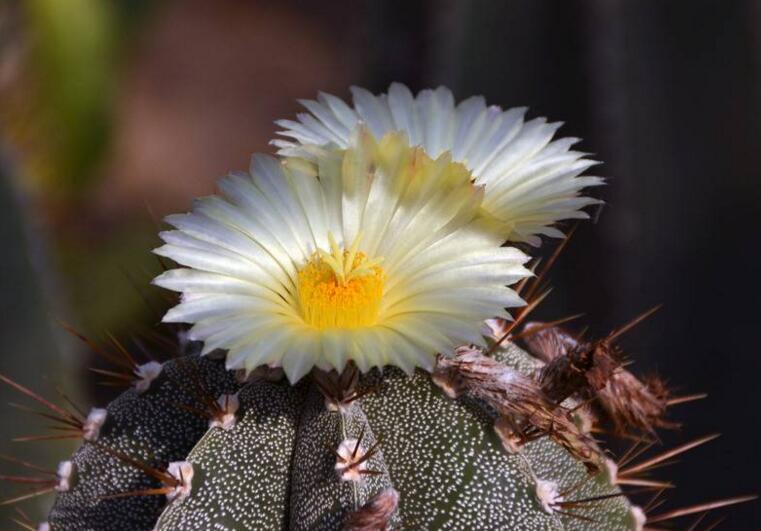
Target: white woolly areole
[[65, 476], [228, 405], [511, 440], [44, 526], [448, 383], [346, 463], [495, 328], [182, 471], [531, 180], [548, 495], [93, 423], [332, 405], [509, 377], [610, 469], [637, 518], [146, 373], [584, 419]]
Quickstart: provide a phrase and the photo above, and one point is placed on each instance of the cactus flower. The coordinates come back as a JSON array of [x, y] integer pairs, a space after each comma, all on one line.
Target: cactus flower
[[375, 253], [531, 181]]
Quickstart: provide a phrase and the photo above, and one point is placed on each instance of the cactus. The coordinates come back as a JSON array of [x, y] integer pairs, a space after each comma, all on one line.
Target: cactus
[[287, 459], [192, 445], [314, 392]]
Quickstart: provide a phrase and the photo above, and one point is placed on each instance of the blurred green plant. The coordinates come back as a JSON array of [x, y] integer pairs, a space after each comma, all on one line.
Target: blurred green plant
[[28, 333], [58, 113], [120, 267]]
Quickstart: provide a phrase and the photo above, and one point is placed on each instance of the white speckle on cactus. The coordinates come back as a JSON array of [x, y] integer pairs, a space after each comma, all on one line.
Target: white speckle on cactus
[[152, 428], [65, 475], [511, 441], [474, 482], [145, 374], [637, 518], [44, 526], [349, 462], [93, 424], [547, 494], [228, 407], [182, 471], [242, 475], [322, 495]]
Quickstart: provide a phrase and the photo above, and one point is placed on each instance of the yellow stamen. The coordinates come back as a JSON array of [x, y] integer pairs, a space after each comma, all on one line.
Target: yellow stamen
[[340, 289]]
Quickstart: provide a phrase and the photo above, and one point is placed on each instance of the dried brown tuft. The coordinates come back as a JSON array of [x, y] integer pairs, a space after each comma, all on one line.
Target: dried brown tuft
[[340, 390], [547, 343], [633, 404], [519, 400], [376, 514], [593, 370], [584, 369]]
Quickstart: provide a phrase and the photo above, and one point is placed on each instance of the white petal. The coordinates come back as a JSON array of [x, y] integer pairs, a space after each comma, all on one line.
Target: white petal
[[498, 146]]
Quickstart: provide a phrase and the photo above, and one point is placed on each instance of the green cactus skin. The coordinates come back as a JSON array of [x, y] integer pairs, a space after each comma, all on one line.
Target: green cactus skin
[[276, 467], [151, 427], [242, 476]]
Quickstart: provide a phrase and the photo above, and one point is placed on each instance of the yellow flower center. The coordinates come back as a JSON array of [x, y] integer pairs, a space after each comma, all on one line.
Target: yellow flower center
[[340, 289]]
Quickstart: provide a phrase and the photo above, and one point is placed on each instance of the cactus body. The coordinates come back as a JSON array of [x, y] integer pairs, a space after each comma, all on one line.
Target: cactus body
[[275, 468]]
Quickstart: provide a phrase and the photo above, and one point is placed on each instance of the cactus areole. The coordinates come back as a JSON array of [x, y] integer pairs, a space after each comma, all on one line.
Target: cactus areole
[[349, 354]]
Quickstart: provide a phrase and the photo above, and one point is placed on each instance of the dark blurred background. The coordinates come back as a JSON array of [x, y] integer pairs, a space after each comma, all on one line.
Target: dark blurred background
[[114, 114]]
